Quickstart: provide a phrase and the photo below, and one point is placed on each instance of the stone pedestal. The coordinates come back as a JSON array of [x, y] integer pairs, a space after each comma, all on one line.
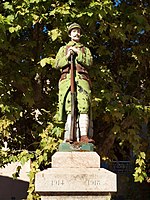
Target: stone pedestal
[[77, 176]]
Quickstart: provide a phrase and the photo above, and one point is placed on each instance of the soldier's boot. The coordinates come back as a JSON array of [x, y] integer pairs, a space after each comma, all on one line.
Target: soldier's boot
[[67, 134], [67, 129], [84, 125], [85, 139]]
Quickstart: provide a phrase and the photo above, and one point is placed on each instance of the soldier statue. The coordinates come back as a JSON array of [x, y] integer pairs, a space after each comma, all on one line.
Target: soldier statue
[[82, 61]]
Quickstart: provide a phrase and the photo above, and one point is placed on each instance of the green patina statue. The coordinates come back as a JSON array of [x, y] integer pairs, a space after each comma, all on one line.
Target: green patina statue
[[82, 61]]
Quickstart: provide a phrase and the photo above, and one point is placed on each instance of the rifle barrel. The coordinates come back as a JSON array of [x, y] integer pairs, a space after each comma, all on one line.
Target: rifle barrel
[[73, 102]]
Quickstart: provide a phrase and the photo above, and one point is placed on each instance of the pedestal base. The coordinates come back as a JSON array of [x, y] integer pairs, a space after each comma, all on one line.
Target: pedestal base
[[75, 181]]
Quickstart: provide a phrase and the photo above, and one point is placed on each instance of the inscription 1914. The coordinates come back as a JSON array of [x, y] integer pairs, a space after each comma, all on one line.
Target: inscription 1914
[[56, 182]]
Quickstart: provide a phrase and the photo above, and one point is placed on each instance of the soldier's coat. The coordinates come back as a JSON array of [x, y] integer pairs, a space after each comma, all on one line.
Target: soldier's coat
[[84, 58]]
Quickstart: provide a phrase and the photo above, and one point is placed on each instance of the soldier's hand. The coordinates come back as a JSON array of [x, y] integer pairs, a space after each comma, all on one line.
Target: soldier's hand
[[72, 50]]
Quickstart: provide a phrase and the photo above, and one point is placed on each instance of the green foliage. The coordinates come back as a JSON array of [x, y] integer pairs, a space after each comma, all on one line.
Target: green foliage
[[118, 36], [140, 170]]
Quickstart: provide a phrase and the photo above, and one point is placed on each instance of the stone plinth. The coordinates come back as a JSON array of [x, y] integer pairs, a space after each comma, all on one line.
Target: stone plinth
[[76, 160], [75, 175], [76, 180]]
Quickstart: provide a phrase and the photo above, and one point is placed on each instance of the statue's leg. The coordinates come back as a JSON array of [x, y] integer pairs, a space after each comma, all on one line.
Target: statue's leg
[[67, 133], [64, 89], [67, 129], [84, 127], [83, 124], [83, 98]]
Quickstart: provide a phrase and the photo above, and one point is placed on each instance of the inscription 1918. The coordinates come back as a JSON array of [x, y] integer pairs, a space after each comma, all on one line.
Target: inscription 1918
[[93, 182]]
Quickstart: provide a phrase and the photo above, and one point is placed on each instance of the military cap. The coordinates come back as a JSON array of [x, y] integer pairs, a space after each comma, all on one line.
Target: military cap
[[72, 26]]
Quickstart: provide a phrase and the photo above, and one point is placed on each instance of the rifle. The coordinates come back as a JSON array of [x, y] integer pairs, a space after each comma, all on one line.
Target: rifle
[[73, 102]]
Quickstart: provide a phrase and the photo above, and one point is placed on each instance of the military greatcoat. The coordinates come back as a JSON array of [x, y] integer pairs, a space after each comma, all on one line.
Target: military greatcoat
[[83, 85]]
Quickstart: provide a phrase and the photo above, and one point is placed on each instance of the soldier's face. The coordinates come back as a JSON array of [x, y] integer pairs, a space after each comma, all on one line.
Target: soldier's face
[[75, 34]]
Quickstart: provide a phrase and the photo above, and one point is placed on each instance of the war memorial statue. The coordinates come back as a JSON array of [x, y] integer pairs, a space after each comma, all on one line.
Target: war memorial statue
[[74, 60], [80, 176]]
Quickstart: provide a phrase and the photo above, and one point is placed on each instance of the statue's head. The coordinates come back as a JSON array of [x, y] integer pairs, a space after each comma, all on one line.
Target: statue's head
[[73, 26], [74, 31]]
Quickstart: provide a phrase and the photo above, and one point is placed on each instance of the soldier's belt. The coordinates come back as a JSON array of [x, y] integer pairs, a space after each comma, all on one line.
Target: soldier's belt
[[78, 67], [63, 76], [81, 70]]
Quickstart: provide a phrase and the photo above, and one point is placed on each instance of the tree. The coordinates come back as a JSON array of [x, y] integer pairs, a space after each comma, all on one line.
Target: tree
[[118, 36]]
